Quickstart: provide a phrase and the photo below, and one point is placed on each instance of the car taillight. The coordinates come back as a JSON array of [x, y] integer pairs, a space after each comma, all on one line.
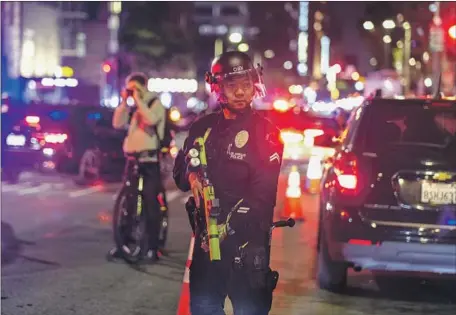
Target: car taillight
[[346, 169], [281, 105], [313, 132], [309, 136], [32, 120], [55, 137]]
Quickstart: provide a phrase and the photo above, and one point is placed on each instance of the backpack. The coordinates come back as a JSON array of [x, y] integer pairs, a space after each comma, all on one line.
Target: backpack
[[168, 135]]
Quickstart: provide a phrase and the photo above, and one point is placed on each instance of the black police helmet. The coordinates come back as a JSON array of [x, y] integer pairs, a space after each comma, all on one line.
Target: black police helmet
[[234, 63]]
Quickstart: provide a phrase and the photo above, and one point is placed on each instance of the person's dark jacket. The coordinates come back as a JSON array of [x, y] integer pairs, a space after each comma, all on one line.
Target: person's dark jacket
[[244, 160]]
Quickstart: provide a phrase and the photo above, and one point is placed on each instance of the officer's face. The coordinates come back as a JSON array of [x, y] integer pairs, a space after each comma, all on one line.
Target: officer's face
[[239, 91]]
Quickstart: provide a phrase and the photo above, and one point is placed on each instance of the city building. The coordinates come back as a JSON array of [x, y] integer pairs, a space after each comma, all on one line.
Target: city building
[[221, 26], [51, 42], [31, 43]]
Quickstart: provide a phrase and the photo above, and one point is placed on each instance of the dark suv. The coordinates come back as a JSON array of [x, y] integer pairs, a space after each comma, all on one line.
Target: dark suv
[[65, 138], [388, 198]]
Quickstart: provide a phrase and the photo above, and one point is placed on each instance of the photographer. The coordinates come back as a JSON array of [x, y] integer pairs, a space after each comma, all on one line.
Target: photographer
[[145, 118]]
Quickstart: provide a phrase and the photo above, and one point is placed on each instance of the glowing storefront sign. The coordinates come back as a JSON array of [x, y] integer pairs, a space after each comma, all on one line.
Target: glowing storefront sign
[[303, 39], [325, 53]]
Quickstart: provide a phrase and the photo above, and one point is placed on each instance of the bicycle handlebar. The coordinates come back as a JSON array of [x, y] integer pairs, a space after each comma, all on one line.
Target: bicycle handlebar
[[284, 223], [141, 154]]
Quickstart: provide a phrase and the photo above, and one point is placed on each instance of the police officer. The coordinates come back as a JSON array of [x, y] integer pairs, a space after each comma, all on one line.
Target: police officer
[[244, 158]]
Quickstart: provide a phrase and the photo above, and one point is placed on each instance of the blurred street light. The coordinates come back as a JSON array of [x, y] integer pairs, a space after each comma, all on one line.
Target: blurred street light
[[355, 76], [400, 44], [302, 68], [337, 68], [412, 62], [235, 37], [425, 56], [428, 82], [359, 86], [288, 65], [388, 24], [452, 31], [295, 89], [317, 26], [368, 25], [106, 68], [373, 61], [243, 47], [387, 39], [406, 25], [269, 54]]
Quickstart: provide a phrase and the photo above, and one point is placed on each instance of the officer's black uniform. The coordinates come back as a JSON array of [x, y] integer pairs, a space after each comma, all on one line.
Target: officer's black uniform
[[244, 158]]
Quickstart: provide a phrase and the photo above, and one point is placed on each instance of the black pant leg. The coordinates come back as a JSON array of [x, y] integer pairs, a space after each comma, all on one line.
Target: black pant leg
[[151, 189], [208, 284]]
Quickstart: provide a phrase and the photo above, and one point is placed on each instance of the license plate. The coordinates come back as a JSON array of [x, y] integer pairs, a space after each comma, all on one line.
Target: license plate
[[15, 140], [439, 194]]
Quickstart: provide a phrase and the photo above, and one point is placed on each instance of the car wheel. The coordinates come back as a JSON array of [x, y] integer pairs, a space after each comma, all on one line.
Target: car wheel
[[89, 166], [331, 275]]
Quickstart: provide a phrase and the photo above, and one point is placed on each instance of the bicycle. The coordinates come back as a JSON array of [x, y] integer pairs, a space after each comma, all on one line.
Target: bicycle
[[130, 222]]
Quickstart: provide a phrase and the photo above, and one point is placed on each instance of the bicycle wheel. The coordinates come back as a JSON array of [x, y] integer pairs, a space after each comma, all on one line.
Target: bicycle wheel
[[130, 229], [163, 236], [164, 220]]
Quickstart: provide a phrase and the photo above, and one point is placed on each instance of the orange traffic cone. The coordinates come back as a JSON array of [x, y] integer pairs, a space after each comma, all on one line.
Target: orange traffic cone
[[314, 174], [184, 301], [292, 206]]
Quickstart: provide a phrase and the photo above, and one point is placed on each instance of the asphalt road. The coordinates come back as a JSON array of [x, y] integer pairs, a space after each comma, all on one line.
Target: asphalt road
[[55, 261]]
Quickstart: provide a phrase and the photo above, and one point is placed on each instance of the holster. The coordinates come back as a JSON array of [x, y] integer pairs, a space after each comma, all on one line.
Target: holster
[[195, 218], [250, 261], [190, 207], [272, 278]]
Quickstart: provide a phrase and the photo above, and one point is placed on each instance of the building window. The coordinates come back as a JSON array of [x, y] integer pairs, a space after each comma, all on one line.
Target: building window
[[229, 11], [115, 7], [81, 45], [203, 11]]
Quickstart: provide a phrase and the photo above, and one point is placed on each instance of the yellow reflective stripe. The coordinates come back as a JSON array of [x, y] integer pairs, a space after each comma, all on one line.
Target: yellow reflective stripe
[[233, 210], [206, 134]]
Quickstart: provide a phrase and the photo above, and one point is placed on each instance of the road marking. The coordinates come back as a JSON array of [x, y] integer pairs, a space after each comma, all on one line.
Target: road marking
[[185, 199], [86, 191], [27, 175], [170, 196], [14, 187], [34, 190], [58, 185]]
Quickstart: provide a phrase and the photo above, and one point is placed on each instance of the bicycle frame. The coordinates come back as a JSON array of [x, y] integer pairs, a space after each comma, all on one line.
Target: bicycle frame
[[137, 174]]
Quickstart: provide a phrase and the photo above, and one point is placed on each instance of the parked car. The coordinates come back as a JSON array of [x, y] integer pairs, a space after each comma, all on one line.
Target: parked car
[[77, 139], [388, 196]]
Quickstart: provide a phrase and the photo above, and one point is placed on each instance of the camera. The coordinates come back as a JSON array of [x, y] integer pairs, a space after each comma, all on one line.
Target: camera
[[129, 92]]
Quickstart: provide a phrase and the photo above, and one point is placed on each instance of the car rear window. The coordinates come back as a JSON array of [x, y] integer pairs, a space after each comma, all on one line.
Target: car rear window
[[413, 125]]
